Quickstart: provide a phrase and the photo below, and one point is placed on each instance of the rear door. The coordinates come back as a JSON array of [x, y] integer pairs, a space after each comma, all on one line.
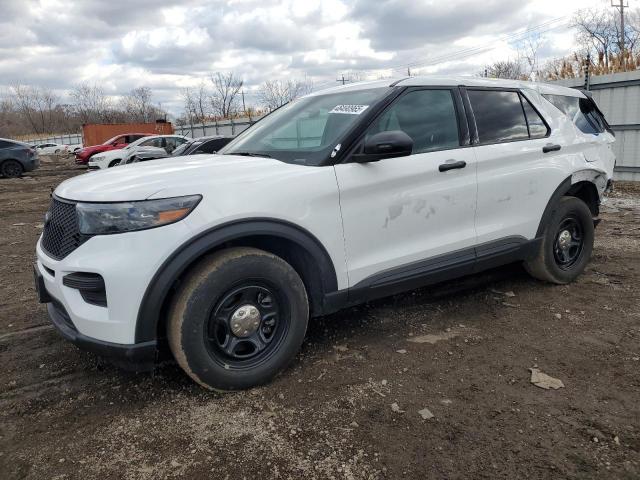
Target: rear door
[[515, 177], [401, 213]]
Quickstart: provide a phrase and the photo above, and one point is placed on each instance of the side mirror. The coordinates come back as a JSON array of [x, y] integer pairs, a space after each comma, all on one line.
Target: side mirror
[[390, 144]]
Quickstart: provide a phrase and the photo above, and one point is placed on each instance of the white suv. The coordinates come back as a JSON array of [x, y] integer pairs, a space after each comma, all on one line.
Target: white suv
[[142, 149], [342, 196]]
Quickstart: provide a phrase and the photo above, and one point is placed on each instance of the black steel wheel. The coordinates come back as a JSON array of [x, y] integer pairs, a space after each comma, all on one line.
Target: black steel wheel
[[114, 163], [238, 318], [569, 242], [11, 169], [247, 325], [566, 243]]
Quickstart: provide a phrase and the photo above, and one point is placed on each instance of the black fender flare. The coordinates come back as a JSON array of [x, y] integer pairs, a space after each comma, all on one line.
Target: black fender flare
[[559, 192], [150, 310]]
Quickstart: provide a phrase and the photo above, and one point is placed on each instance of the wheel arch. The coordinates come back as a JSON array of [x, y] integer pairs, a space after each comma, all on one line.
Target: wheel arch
[[583, 185], [301, 249]]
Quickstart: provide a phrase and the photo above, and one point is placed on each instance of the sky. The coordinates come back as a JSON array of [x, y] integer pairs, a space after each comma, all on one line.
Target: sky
[[169, 45]]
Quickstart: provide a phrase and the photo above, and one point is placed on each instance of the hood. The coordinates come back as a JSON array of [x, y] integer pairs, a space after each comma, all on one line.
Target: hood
[[171, 177]]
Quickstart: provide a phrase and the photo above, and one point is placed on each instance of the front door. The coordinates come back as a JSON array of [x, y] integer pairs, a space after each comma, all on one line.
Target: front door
[[399, 212]]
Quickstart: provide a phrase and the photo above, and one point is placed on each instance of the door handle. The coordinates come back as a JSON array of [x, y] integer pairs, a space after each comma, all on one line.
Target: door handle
[[452, 166], [551, 148]]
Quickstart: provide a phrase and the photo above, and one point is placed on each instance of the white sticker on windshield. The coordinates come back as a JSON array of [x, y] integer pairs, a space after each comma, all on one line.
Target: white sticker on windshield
[[349, 109]]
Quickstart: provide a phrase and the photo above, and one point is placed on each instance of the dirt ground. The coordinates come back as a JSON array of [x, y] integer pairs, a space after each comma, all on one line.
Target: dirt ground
[[348, 408]]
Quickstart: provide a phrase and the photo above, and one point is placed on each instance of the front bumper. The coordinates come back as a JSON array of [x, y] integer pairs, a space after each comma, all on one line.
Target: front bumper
[[139, 353], [127, 263]]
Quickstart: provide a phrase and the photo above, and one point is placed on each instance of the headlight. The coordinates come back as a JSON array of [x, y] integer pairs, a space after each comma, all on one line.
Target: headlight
[[97, 158], [105, 218]]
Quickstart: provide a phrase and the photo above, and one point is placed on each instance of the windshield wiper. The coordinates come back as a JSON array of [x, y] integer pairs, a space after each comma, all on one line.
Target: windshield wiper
[[250, 154]]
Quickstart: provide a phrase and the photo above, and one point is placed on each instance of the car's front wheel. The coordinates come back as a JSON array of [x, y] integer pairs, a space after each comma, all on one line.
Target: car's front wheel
[[566, 245], [238, 319], [11, 169], [114, 163]]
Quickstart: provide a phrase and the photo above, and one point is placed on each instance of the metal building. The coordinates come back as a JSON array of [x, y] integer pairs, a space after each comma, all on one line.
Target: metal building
[[618, 96]]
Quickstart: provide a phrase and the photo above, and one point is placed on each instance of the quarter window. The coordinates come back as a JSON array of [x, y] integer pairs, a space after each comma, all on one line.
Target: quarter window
[[499, 116], [589, 122], [537, 127], [427, 116]]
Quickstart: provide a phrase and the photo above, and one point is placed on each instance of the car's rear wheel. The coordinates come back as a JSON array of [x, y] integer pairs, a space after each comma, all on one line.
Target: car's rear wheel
[[114, 163], [11, 169], [566, 245], [238, 319]]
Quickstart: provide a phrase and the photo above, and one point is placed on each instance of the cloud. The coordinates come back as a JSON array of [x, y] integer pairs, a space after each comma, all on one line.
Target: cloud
[[176, 43]]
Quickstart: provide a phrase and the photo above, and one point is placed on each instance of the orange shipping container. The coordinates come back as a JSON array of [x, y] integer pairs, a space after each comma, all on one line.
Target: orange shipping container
[[97, 133]]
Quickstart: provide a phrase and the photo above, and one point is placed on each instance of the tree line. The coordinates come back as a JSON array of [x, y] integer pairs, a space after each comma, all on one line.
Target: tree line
[[222, 96], [33, 110], [602, 45]]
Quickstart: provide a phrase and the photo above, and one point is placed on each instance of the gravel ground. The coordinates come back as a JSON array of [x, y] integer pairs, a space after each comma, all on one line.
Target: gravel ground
[[352, 406]]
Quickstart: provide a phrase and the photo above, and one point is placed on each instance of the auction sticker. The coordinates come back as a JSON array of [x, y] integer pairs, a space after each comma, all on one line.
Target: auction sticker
[[349, 109]]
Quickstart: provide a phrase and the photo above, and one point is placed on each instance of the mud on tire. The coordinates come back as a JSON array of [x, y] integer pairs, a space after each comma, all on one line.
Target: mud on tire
[[238, 319]]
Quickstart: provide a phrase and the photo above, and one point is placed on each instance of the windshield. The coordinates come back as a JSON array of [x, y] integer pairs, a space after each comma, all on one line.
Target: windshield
[[111, 140], [306, 130], [180, 149]]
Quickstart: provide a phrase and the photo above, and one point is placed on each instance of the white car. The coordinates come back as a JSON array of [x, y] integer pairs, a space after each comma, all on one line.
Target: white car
[[51, 149], [342, 196], [136, 151]]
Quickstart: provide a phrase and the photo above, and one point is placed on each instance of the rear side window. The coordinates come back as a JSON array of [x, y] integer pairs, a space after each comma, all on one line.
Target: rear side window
[[499, 116], [587, 122], [4, 144], [427, 116], [537, 127]]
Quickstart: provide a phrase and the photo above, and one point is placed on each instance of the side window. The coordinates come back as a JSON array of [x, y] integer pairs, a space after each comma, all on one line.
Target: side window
[[427, 116], [4, 144], [537, 127], [499, 116]]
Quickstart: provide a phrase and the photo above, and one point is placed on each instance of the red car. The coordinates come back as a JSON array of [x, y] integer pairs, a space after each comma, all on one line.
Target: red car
[[119, 141]]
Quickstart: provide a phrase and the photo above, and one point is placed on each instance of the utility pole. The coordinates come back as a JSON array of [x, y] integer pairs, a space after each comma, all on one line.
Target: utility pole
[[587, 77], [409, 71], [244, 109], [343, 80], [620, 5]]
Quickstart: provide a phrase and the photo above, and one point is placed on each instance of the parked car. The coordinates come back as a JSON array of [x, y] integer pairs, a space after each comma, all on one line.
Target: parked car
[[51, 148], [200, 145], [75, 148], [17, 158], [119, 141], [340, 197], [142, 149]]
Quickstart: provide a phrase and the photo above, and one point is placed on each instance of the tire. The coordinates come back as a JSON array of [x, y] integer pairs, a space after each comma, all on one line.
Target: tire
[[205, 329], [57, 152], [11, 169], [114, 163], [563, 265]]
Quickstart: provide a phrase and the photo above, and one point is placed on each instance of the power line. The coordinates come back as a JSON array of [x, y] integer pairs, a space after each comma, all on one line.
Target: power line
[[464, 53]]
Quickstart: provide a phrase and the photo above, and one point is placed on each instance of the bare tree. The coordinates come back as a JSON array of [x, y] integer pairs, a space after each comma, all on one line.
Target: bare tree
[[137, 104], [90, 103], [596, 28], [507, 69], [36, 105], [528, 51], [223, 99], [275, 93]]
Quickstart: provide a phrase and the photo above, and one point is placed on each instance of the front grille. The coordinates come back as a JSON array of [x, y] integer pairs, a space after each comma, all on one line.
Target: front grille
[[61, 234]]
